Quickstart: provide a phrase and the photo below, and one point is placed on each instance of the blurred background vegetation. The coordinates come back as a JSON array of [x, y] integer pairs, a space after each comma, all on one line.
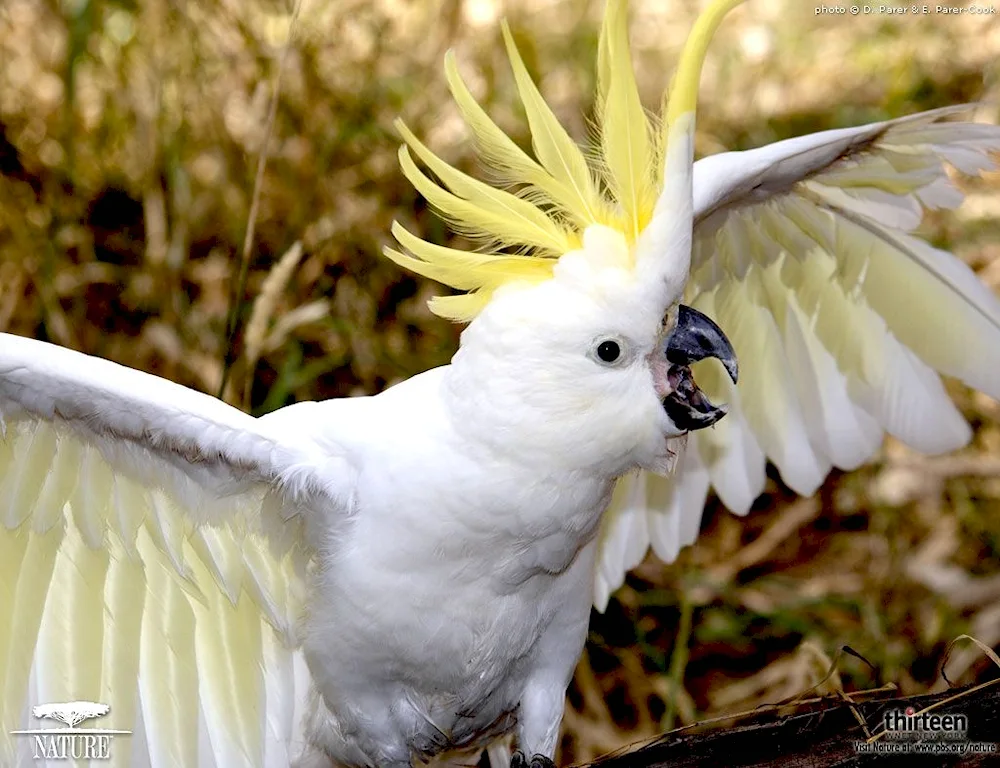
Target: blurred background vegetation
[[130, 132]]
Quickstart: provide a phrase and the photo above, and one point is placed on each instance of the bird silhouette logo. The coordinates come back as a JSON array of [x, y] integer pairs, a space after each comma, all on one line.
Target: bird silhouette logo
[[72, 713]]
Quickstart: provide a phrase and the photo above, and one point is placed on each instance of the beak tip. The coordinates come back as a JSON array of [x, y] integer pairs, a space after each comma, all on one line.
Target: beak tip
[[733, 369], [696, 337]]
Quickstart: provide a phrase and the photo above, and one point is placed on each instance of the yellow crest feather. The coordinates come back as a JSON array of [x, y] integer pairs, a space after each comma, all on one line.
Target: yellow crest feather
[[625, 129], [464, 270], [553, 198], [511, 163], [480, 211], [684, 91], [558, 153]]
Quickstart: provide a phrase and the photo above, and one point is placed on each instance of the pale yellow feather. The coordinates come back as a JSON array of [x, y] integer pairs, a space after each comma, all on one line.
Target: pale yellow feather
[[124, 593], [21, 485], [59, 484], [91, 498], [478, 273], [168, 678], [458, 309], [469, 271], [557, 152], [511, 220], [489, 227], [625, 141], [263, 581], [505, 158], [130, 501], [71, 636], [169, 527], [219, 551], [228, 650], [32, 579], [12, 549], [684, 90]]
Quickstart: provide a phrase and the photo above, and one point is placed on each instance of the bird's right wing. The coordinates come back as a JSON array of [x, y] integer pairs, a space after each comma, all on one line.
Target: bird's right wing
[[840, 316], [152, 557]]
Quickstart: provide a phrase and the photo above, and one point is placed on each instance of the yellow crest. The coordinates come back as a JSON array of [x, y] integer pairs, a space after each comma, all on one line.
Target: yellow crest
[[551, 198]]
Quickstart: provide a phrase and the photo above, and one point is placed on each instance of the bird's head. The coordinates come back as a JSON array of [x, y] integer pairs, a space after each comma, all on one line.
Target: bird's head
[[573, 298], [589, 351]]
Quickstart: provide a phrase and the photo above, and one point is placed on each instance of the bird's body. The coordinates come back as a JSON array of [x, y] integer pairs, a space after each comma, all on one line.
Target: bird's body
[[460, 579], [454, 598]]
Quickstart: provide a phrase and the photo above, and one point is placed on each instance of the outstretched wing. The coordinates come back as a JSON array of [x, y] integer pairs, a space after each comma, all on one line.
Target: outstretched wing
[[841, 318], [150, 533]]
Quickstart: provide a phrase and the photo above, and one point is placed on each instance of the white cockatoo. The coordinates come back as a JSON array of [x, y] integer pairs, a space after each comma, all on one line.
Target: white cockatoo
[[408, 577]]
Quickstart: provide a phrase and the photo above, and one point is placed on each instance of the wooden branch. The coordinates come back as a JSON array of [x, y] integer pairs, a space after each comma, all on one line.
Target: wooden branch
[[826, 734]]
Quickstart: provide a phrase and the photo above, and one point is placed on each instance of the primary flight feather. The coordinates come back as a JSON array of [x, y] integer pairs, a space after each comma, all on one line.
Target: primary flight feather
[[373, 581]]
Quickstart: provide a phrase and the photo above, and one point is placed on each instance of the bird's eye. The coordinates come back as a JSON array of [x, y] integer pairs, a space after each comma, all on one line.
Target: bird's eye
[[609, 351]]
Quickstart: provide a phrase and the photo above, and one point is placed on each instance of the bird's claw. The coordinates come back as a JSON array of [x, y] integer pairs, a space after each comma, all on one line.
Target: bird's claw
[[518, 760]]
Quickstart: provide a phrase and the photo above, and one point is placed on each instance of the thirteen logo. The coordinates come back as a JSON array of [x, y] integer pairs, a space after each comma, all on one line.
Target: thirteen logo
[[71, 742], [909, 724]]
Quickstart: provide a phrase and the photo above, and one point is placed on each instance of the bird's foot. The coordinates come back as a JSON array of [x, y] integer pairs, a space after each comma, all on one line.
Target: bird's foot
[[518, 760]]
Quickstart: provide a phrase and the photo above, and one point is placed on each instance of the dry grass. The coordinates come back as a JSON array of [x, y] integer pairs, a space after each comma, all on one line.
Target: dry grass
[[130, 138]]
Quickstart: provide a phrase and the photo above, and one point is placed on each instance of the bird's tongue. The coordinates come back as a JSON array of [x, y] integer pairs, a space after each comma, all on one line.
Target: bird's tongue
[[694, 338], [686, 405]]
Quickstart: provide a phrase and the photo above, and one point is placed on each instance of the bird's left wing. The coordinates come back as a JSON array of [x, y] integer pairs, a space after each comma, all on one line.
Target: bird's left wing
[[152, 557], [841, 318]]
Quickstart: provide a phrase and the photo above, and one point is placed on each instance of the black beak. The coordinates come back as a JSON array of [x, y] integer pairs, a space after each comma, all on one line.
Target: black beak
[[694, 338]]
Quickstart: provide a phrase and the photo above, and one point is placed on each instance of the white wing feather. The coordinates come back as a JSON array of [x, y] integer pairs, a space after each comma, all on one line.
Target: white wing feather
[[841, 319], [151, 533]]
